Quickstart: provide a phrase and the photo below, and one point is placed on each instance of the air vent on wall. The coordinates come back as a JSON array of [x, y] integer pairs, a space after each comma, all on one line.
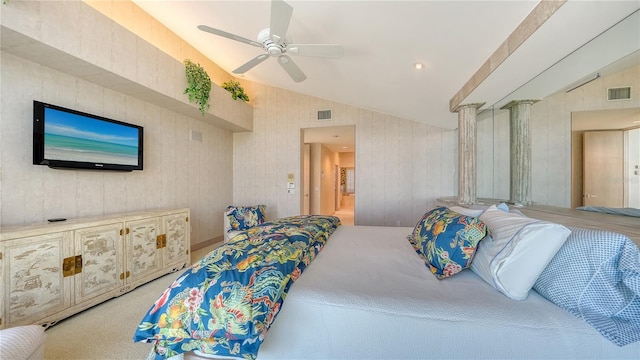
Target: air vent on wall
[[324, 115], [196, 135], [621, 93]]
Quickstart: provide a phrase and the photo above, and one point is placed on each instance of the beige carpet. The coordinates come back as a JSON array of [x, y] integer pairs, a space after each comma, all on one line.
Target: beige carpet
[[105, 331], [346, 216]]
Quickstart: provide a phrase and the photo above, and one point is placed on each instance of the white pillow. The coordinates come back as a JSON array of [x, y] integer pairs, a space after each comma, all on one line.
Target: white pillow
[[477, 210], [517, 252], [466, 211]]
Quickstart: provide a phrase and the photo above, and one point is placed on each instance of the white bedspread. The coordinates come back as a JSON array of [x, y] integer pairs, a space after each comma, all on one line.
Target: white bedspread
[[369, 296]]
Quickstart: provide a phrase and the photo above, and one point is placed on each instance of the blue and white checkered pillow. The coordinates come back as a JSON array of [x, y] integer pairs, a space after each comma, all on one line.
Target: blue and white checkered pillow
[[596, 276]]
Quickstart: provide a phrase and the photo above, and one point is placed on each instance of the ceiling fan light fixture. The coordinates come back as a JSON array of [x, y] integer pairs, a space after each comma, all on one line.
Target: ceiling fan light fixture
[[275, 41], [274, 51]]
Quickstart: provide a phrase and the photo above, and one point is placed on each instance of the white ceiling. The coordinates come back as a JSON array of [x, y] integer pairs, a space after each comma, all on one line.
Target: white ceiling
[[382, 39], [605, 119], [337, 138]]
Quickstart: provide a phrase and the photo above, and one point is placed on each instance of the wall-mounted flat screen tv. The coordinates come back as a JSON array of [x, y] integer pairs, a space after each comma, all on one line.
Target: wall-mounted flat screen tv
[[65, 138]]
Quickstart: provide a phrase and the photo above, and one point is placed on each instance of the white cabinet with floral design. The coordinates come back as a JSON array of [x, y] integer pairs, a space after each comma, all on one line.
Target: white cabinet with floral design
[[51, 271], [143, 258], [100, 248], [33, 285], [175, 227], [155, 245]]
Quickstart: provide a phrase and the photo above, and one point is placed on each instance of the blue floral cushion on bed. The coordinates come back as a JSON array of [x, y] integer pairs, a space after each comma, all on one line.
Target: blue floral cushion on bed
[[596, 276], [245, 217], [447, 240], [224, 304]]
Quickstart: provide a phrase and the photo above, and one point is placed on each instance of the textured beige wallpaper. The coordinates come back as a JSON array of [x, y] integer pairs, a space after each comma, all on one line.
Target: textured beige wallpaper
[[402, 167], [177, 172]]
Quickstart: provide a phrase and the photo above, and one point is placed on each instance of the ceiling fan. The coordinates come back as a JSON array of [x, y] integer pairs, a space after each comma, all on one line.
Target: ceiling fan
[[276, 43]]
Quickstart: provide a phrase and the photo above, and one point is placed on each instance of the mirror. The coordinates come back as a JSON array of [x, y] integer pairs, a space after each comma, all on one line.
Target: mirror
[[347, 187], [347, 180], [605, 154], [555, 170]]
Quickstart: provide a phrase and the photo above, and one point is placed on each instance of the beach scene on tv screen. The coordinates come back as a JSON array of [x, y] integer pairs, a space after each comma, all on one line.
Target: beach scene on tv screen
[[73, 137]]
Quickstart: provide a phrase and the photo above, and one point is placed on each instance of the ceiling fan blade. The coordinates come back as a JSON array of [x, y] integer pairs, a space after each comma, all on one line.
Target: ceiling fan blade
[[291, 68], [280, 18], [250, 64], [228, 35], [320, 50]]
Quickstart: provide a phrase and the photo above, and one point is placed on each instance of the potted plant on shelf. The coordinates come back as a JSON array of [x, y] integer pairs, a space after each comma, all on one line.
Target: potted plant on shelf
[[236, 90], [198, 85]]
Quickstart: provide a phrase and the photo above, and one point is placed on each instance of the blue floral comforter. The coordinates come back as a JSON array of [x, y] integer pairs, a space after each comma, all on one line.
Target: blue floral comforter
[[225, 303]]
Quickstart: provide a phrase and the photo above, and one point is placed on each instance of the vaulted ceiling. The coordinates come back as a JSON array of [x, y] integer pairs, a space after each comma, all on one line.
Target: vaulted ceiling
[[382, 40]]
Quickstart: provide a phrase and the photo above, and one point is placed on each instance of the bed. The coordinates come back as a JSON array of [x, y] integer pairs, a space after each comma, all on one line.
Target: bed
[[368, 294]]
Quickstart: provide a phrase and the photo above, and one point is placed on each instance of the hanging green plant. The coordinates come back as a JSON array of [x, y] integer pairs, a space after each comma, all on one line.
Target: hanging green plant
[[198, 85], [236, 90]]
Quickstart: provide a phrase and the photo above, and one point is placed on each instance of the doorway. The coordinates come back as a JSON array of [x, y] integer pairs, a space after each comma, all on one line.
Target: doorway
[[327, 153], [603, 164], [623, 150]]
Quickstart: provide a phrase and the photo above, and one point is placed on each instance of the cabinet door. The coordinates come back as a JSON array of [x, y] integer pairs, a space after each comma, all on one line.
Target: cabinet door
[[143, 255], [101, 248], [176, 228], [34, 284]]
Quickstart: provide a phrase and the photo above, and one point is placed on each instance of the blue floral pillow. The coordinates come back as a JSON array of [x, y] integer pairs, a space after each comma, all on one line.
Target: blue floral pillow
[[447, 240], [245, 217]]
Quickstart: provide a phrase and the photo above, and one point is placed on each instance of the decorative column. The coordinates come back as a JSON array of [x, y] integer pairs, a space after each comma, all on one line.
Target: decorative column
[[467, 150], [520, 150]]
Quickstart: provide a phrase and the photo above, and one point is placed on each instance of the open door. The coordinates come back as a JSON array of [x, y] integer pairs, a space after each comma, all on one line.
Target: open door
[[336, 193], [603, 171], [306, 169]]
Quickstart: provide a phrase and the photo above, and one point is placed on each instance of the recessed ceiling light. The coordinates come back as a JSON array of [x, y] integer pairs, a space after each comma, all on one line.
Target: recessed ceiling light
[[418, 66]]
